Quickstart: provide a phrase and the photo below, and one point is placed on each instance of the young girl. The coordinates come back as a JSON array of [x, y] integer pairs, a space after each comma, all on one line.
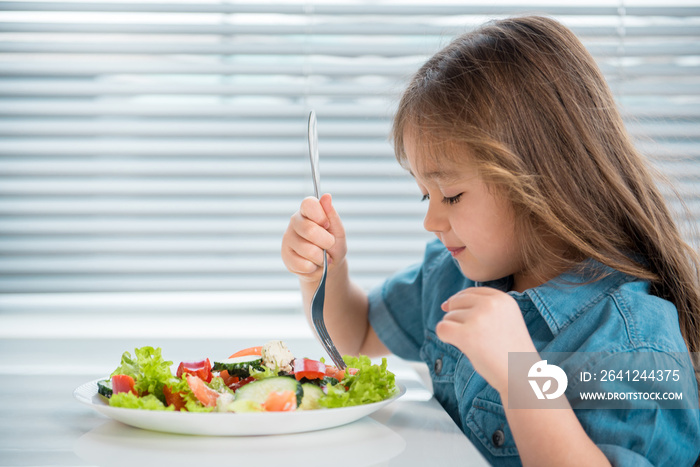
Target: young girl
[[551, 237]]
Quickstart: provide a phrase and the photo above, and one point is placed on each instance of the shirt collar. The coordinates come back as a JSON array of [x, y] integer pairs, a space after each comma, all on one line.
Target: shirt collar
[[561, 300]]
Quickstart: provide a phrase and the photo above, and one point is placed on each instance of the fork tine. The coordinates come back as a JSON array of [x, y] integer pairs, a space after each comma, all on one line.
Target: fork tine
[[319, 323], [328, 343]]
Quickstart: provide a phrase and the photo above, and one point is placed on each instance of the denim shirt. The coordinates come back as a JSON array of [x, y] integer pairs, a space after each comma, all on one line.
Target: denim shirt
[[615, 313]]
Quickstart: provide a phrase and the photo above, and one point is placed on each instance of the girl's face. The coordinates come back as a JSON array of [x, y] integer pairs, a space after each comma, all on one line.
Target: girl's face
[[476, 226]]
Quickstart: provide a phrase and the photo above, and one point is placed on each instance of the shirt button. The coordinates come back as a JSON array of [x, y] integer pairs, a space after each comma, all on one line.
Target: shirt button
[[498, 438], [438, 366]]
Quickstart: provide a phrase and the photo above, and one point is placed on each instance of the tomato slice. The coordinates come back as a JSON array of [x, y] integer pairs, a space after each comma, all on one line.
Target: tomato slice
[[248, 351], [309, 369], [204, 394], [228, 379], [173, 398], [201, 369], [334, 372], [123, 383], [284, 401]]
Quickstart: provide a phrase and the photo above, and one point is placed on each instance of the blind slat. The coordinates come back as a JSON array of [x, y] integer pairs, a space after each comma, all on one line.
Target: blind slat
[[186, 147], [225, 148], [200, 167], [189, 48], [154, 67], [193, 225], [246, 128], [301, 69], [360, 47], [165, 264], [82, 108], [367, 28], [240, 186], [395, 9], [294, 110], [90, 88], [195, 244], [194, 128]]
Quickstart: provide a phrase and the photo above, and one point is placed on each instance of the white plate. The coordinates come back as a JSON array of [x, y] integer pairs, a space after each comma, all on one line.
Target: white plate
[[229, 424]]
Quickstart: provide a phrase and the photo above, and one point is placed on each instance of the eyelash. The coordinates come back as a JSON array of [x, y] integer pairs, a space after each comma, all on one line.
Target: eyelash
[[452, 200]]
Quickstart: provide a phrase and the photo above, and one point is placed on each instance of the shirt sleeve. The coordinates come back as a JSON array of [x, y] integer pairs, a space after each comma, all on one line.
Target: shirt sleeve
[[397, 307], [395, 313]]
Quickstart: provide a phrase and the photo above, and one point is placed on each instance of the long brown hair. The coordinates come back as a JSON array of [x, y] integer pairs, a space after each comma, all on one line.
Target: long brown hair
[[528, 104]]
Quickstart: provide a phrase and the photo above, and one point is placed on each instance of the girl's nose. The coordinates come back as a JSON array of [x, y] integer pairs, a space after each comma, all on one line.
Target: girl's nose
[[435, 220]]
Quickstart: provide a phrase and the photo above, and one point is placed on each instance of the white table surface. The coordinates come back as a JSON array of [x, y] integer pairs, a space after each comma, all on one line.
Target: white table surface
[[43, 358]]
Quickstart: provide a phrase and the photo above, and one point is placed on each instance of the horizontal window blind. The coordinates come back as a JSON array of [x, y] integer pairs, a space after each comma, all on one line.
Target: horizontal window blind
[[161, 147]]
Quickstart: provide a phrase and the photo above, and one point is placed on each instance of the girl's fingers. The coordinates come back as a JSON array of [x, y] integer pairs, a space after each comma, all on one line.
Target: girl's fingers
[[461, 315], [300, 256], [308, 252], [458, 300], [312, 232], [299, 265], [312, 210], [449, 332], [315, 227], [335, 225], [469, 297]]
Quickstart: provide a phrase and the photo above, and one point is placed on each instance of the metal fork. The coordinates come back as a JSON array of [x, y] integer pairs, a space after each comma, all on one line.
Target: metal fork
[[320, 294]]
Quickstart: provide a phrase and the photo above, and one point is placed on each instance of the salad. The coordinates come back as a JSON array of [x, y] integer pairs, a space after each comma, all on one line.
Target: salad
[[257, 379]]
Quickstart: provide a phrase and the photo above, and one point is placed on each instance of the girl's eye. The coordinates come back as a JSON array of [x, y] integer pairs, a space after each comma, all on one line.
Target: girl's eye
[[425, 197], [452, 200]]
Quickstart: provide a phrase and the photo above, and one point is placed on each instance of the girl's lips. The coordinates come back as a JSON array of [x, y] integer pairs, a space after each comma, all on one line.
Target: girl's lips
[[454, 251]]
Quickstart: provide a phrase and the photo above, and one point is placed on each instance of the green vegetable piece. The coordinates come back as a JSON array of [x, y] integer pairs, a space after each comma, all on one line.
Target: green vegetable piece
[[244, 406], [371, 383], [150, 371], [312, 394], [128, 400], [258, 391], [104, 388], [239, 366]]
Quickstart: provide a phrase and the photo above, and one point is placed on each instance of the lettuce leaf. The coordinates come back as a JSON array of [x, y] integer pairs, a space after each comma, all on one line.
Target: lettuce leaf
[[128, 400], [265, 372], [150, 371], [371, 383], [228, 403], [218, 385], [193, 405]]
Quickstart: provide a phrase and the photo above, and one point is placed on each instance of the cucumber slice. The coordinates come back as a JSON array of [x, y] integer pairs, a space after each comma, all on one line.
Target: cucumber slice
[[239, 366], [104, 388], [259, 390], [312, 394]]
